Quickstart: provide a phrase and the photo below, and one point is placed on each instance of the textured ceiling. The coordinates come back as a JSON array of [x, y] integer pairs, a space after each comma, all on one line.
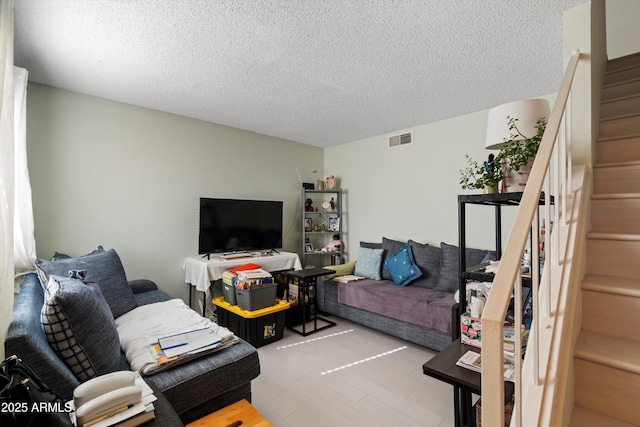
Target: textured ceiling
[[311, 71]]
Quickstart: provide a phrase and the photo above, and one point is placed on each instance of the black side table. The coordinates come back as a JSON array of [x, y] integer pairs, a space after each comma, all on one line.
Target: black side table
[[464, 381], [306, 281]]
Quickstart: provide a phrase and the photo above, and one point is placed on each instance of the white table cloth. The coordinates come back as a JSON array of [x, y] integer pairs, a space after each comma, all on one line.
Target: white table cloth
[[200, 272]]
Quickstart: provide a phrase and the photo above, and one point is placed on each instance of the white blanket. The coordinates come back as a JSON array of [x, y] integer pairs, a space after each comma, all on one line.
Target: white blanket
[[140, 328]]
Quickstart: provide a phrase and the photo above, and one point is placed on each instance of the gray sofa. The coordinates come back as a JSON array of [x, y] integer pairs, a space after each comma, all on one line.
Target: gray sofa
[[422, 311], [193, 389]]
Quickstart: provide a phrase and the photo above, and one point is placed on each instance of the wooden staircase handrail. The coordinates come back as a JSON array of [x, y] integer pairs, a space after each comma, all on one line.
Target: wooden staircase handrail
[[509, 269]]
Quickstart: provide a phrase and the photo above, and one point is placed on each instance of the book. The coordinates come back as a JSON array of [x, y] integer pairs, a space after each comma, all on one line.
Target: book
[[348, 278], [187, 342], [139, 419], [473, 361]]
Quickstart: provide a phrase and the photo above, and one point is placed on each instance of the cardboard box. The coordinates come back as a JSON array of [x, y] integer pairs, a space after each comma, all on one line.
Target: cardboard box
[[471, 330], [471, 334]]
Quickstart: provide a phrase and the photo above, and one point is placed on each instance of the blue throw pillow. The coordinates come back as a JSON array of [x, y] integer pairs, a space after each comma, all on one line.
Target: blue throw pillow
[[401, 267], [368, 263]]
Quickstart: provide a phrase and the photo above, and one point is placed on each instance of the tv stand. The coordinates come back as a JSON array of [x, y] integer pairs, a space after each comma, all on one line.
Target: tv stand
[[200, 273]]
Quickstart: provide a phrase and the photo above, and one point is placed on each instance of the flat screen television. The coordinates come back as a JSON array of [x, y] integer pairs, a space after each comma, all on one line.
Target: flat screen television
[[228, 225]]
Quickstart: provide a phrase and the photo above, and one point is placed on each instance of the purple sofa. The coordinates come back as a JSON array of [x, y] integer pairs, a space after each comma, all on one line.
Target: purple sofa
[[422, 311]]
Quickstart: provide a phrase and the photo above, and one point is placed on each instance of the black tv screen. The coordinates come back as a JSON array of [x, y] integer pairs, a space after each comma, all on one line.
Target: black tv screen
[[228, 225]]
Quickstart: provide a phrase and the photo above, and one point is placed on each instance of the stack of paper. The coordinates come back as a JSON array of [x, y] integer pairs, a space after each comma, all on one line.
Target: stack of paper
[[188, 342], [472, 360]]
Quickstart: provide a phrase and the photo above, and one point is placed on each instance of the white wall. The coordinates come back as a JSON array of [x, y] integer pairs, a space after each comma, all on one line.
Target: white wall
[[623, 31], [411, 192], [129, 178]]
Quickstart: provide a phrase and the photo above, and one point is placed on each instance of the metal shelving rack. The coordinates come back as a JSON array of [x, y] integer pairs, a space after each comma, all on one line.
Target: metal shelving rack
[[319, 236]]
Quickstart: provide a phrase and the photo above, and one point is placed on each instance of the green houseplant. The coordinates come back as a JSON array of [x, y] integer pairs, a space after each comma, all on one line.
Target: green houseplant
[[519, 149], [486, 175]]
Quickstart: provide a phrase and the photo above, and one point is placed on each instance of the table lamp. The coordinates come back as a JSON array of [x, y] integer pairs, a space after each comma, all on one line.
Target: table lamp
[[528, 112]]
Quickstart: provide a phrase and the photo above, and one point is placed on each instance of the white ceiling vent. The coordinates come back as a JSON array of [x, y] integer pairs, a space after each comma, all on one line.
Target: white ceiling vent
[[401, 140]]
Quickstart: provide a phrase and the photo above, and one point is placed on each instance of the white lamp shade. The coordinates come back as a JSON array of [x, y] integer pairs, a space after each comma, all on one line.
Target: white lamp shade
[[528, 112]]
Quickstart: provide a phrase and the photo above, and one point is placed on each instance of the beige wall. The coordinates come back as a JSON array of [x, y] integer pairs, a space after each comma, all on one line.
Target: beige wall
[[411, 192], [623, 31], [129, 178]]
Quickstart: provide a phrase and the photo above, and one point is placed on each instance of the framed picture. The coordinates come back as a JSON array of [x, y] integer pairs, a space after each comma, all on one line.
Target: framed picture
[[308, 226], [308, 247], [334, 224]]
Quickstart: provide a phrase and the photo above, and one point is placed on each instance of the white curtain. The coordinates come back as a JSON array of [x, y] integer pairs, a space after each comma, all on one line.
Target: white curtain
[[24, 242], [6, 168], [17, 241]]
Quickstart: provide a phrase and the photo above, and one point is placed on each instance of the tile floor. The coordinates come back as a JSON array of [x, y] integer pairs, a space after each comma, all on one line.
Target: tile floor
[[349, 375]]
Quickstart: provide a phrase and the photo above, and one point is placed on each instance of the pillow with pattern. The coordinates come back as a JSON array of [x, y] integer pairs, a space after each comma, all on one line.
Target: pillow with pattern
[[402, 267], [81, 333], [368, 263]]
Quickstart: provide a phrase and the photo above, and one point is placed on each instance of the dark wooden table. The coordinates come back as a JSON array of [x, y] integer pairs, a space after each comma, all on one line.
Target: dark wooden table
[[465, 382], [306, 281]]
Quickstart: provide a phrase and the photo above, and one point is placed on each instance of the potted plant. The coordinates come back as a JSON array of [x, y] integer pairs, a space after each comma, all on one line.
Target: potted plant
[[486, 175], [517, 154]]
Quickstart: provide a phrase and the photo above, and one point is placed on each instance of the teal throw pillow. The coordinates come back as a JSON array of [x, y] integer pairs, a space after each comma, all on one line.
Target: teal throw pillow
[[401, 267], [368, 263]]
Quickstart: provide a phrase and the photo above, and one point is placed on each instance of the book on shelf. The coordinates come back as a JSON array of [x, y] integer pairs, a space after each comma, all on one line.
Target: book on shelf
[[472, 360], [348, 278]]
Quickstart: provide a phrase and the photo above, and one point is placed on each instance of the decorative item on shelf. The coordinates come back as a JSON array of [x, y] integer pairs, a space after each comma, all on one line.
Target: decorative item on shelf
[[308, 247], [308, 205], [326, 206], [486, 175], [324, 226], [308, 226], [321, 184], [332, 182], [332, 202], [333, 245], [519, 140], [334, 224]]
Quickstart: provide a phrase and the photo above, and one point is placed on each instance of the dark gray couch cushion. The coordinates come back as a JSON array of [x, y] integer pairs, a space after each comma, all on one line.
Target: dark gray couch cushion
[[104, 268], [450, 265], [390, 247], [370, 245], [420, 306], [79, 329], [428, 259]]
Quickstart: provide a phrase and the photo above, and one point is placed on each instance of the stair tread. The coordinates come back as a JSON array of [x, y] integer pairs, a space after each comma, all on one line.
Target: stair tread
[[614, 196], [617, 164], [613, 236], [585, 417], [620, 98], [617, 137], [612, 84], [620, 116], [619, 353], [611, 285]]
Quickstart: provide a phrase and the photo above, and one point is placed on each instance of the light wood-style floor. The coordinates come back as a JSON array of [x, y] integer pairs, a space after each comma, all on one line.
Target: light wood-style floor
[[349, 375]]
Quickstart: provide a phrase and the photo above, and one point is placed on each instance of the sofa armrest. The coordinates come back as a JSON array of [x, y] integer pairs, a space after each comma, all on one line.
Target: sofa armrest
[[142, 285], [26, 339]]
